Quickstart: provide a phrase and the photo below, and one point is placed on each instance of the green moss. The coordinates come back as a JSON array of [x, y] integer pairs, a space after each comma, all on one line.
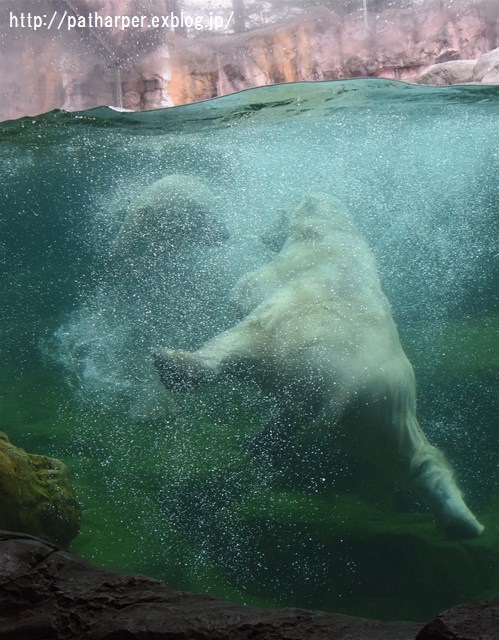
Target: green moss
[[36, 495]]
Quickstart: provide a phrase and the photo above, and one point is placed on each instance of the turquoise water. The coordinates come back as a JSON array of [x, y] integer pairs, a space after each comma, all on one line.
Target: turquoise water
[[168, 483]]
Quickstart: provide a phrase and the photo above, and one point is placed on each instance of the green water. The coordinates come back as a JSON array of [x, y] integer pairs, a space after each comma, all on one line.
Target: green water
[[170, 485]]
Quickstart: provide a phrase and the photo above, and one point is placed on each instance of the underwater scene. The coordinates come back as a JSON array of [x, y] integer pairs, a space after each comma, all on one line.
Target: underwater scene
[[124, 236]]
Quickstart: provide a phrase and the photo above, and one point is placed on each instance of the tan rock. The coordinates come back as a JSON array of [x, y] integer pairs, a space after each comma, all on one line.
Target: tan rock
[[454, 72], [36, 495], [484, 70]]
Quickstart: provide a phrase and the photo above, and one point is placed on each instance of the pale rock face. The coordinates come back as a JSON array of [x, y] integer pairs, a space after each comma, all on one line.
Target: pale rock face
[[319, 335], [484, 70], [487, 68], [321, 45], [455, 72]]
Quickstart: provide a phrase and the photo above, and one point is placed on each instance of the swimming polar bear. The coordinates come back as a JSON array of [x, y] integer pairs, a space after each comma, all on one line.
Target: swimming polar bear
[[318, 331], [172, 212]]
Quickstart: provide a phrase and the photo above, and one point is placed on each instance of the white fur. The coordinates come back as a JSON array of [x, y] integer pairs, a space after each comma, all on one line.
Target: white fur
[[318, 326]]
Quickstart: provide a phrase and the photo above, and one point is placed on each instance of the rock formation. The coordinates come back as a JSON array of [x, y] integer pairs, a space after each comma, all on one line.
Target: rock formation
[[49, 593], [321, 45], [36, 495], [144, 69], [485, 70], [464, 622]]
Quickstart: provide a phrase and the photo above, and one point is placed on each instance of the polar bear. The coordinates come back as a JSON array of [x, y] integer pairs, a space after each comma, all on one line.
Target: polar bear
[[172, 212], [318, 333]]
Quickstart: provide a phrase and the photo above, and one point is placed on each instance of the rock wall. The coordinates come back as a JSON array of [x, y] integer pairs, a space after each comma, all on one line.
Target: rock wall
[[322, 46], [80, 68], [149, 69]]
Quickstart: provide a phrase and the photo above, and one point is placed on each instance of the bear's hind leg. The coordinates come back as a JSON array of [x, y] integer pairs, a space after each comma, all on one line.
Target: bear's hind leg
[[181, 370], [227, 354], [435, 481]]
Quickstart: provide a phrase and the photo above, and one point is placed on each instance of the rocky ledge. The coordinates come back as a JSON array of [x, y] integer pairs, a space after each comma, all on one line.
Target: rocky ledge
[[483, 70], [475, 621], [47, 593]]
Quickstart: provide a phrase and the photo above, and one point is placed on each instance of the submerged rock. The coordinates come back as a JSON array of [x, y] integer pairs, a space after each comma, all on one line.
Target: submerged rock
[[36, 495], [477, 620], [49, 593]]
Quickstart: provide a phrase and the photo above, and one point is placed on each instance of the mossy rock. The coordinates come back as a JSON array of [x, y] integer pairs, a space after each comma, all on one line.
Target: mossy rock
[[36, 495]]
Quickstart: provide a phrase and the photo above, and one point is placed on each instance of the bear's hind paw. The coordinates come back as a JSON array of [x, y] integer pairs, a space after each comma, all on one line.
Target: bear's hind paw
[[459, 525], [172, 373]]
